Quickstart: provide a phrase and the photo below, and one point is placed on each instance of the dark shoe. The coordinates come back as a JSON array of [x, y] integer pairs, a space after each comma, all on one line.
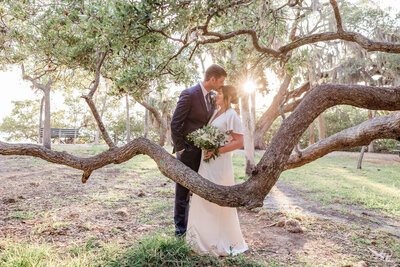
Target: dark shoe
[[179, 234]]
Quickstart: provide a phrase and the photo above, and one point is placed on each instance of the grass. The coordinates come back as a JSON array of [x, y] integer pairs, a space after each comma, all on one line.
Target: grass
[[336, 180], [157, 249], [331, 180], [161, 249], [110, 198], [239, 166], [22, 215]]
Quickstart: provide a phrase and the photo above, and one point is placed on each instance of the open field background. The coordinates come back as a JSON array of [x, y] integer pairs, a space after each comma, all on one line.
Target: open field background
[[326, 213]]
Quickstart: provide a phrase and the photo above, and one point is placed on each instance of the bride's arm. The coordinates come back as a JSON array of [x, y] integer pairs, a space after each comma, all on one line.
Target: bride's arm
[[235, 143]]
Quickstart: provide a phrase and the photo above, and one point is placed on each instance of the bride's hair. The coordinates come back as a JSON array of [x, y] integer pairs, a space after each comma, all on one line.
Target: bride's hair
[[232, 92]]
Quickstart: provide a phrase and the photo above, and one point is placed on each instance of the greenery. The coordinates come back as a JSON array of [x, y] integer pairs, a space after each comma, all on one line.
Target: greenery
[[163, 250], [335, 179], [209, 138], [332, 181], [156, 249]]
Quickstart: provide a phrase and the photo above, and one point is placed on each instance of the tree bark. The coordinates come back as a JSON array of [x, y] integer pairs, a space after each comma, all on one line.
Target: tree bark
[[146, 120], [311, 139], [159, 119], [41, 120], [371, 145], [266, 120], [89, 100], [248, 134], [128, 121], [46, 128], [253, 115], [321, 127], [360, 158], [252, 192], [46, 92], [103, 108], [386, 127]]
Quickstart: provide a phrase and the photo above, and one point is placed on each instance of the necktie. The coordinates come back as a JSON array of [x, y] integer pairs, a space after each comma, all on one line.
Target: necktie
[[208, 101]]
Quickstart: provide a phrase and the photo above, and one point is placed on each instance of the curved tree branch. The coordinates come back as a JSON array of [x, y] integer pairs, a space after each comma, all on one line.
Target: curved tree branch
[[272, 113], [252, 192], [89, 100], [321, 98], [337, 16], [299, 91], [385, 127], [158, 116], [363, 41]]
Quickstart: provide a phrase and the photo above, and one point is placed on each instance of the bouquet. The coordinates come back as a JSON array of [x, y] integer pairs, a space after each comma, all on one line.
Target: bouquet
[[210, 139]]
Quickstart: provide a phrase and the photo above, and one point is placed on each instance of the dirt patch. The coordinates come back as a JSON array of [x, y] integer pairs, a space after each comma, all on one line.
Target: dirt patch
[[47, 202], [285, 199]]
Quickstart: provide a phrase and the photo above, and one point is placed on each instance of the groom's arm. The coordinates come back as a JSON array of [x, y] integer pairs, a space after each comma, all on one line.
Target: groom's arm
[[177, 122]]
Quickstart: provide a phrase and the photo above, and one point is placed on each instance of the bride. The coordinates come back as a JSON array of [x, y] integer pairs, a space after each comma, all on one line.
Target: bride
[[213, 229]]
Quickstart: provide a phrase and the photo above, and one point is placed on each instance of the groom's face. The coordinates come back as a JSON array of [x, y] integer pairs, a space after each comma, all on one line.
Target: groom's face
[[218, 83]]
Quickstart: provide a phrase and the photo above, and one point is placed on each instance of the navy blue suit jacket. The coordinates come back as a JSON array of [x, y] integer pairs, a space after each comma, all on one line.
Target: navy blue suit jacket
[[190, 114]]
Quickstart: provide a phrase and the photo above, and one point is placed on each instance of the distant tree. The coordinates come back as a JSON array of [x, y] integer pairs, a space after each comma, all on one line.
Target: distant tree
[[21, 125]]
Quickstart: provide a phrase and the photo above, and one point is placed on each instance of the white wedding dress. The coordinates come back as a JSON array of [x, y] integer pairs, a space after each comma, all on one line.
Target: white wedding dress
[[213, 229]]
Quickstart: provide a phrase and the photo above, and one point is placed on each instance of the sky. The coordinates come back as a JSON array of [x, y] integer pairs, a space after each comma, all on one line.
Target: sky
[[14, 88]]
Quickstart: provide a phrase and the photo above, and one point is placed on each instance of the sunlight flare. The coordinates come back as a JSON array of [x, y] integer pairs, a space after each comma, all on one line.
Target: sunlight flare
[[249, 86]]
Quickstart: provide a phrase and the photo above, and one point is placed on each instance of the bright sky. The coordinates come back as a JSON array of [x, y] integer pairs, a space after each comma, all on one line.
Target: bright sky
[[14, 88]]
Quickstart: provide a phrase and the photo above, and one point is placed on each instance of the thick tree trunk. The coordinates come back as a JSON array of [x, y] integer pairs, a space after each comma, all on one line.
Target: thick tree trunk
[[311, 139], [128, 121], [146, 120], [46, 96], [371, 145], [159, 120], [321, 127], [266, 120], [248, 134], [253, 115], [96, 136], [360, 158], [163, 123], [41, 120], [46, 128], [169, 138], [103, 108]]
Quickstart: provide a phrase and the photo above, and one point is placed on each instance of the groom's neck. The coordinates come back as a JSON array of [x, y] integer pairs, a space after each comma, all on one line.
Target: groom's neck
[[207, 86]]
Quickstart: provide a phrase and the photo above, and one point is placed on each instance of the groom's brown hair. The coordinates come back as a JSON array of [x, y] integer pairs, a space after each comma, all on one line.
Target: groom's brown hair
[[214, 71]]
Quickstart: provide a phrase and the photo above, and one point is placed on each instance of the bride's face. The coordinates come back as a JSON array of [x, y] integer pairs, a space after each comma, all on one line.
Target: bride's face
[[219, 99]]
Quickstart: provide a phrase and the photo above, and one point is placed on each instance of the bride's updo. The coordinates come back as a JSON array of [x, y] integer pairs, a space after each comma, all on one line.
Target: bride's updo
[[231, 92]]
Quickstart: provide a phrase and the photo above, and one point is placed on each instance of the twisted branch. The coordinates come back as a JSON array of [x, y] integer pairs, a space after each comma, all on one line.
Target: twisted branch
[[89, 100], [252, 192]]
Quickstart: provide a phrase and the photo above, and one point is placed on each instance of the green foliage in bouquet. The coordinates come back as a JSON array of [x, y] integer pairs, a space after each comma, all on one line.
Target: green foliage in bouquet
[[209, 138]]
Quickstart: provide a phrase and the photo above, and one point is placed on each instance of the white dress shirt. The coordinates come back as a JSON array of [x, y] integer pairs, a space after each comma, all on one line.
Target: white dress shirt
[[205, 92]]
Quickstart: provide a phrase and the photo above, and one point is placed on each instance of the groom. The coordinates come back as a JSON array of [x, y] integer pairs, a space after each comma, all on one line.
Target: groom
[[194, 109]]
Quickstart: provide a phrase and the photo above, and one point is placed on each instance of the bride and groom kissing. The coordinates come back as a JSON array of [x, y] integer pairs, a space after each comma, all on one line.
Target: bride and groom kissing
[[208, 227]]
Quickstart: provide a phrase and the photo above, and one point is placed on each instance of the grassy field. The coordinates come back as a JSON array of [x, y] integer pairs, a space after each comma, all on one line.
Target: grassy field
[[123, 216], [336, 180]]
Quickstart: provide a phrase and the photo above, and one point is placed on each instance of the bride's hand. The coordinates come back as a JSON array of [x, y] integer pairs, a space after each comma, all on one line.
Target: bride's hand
[[208, 154]]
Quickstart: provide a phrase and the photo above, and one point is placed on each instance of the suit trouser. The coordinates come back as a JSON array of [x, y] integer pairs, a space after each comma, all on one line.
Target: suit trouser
[[191, 158]]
